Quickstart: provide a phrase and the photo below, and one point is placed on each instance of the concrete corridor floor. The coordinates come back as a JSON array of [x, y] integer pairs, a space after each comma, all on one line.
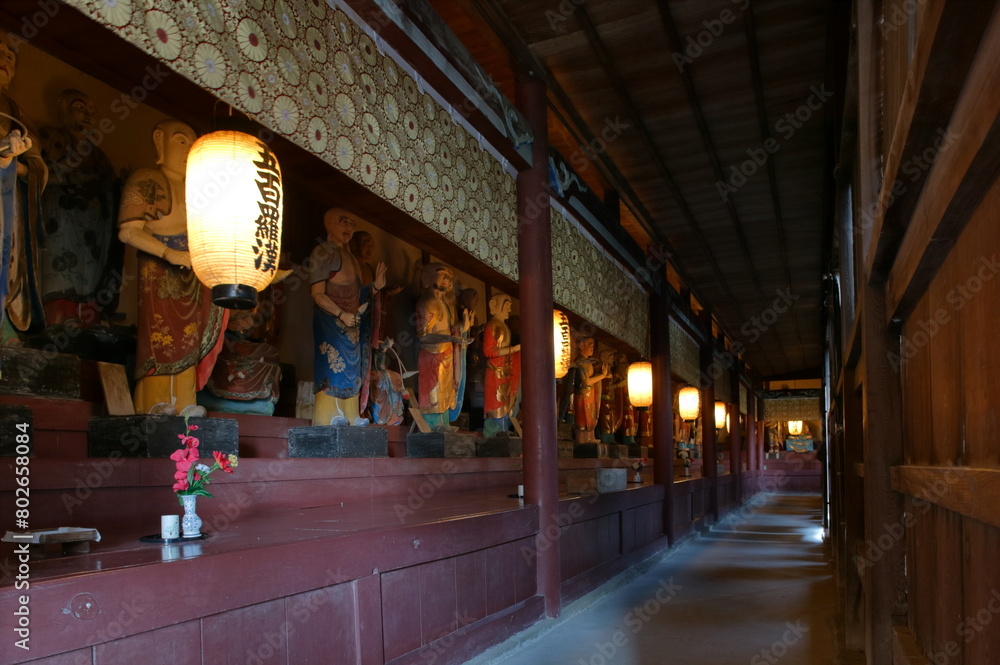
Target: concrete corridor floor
[[756, 589]]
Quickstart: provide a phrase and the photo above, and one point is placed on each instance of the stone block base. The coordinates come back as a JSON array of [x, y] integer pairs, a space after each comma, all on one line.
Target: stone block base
[[12, 415], [588, 481], [156, 436], [565, 432], [334, 441], [590, 450], [565, 448], [499, 446], [440, 444], [39, 373], [617, 451], [637, 451]]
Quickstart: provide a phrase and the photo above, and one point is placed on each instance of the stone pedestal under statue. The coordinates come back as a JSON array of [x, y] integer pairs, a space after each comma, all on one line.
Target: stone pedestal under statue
[[16, 420], [500, 446], [639, 451], [157, 436], [441, 444], [590, 450], [338, 441], [36, 373]]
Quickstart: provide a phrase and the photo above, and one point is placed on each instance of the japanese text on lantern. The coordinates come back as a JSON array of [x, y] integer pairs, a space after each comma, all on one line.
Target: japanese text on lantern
[[269, 184]]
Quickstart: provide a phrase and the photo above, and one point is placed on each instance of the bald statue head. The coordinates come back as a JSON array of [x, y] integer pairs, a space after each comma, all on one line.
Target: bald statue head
[[173, 140], [437, 276], [500, 306], [340, 225]]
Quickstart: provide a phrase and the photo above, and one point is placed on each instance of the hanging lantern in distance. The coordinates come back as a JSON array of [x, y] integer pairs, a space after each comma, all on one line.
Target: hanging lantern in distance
[[795, 427], [561, 342], [233, 189], [720, 415], [689, 403], [640, 383]]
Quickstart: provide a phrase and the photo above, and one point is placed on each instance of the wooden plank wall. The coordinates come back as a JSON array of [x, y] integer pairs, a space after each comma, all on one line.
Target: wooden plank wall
[[916, 422], [951, 383]]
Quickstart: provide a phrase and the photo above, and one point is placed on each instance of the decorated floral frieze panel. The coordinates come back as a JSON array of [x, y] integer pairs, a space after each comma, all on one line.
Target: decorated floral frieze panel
[[685, 356], [791, 408], [309, 73], [594, 286]]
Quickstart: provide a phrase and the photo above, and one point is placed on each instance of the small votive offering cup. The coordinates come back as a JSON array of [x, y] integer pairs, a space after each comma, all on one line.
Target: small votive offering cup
[[170, 526]]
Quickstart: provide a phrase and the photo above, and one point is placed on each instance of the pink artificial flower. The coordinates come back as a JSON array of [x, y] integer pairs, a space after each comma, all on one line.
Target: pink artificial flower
[[181, 485], [223, 461]]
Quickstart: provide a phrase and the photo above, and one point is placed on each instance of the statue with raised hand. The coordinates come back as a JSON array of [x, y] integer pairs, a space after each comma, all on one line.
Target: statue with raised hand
[[503, 368], [442, 338]]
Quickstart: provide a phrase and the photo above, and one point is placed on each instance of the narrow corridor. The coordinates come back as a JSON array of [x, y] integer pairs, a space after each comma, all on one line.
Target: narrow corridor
[[756, 589]]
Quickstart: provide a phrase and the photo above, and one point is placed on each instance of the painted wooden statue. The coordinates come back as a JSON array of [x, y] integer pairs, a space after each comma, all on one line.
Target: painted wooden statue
[[503, 368], [443, 338], [179, 329], [344, 317]]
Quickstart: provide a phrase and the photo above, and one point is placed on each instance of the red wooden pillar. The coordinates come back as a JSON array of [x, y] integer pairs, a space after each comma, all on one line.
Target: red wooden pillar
[[663, 407], [736, 436], [709, 470], [752, 439], [534, 260]]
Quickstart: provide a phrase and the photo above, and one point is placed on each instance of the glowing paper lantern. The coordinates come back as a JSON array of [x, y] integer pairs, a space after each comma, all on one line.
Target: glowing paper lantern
[[689, 403], [233, 189], [561, 339], [720, 415], [640, 383], [795, 427]]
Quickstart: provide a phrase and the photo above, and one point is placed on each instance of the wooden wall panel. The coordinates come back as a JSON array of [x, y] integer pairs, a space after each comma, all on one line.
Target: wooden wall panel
[[944, 347], [323, 626], [915, 366], [500, 561], [245, 635], [470, 569], [944, 602], [174, 645], [525, 577], [979, 633], [980, 364], [439, 598], [79, 657], [400, 612]]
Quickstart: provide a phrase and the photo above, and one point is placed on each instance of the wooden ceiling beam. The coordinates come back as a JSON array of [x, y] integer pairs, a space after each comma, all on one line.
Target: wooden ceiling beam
[[750, 28], [635, 115], [675, 46], [565, 110]]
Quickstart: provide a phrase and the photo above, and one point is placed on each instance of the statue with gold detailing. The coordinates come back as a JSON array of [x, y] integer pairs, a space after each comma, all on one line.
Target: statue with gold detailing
[[443, 338], [346, 310], [23, 175], [590, 371], [503, 368], [179, 329]]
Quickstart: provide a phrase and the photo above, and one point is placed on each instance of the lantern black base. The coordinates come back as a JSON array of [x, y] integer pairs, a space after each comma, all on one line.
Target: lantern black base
[[234, 296]]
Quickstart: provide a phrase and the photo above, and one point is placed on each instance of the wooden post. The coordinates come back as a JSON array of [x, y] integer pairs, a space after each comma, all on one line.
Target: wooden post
[[885, 579], [541, 470], [736, 436], [709, 470], [663, 408]]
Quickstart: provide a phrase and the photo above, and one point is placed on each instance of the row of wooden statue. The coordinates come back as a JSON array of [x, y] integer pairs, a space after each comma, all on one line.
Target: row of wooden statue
[[60, 262]]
